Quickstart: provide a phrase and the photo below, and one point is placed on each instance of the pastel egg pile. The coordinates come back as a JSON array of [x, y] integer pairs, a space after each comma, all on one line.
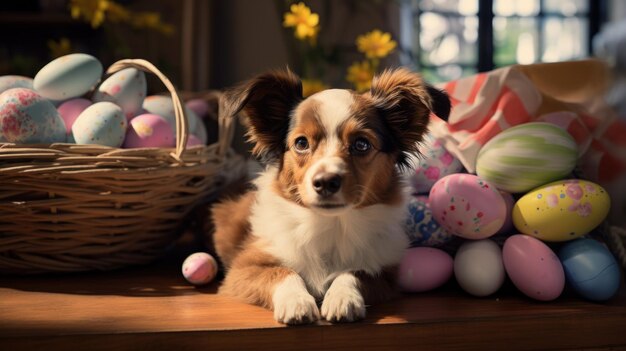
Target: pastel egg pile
[[69, 101], [522, 216]]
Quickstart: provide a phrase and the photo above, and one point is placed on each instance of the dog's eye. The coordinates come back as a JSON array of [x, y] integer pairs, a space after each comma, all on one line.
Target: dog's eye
[[361, 145], [301, 144]]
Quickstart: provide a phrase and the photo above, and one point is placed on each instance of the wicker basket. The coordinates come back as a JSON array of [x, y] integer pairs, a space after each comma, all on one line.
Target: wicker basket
[[68, 207]]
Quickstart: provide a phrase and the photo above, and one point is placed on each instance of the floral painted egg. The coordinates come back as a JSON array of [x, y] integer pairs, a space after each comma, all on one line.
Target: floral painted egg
[[533, 267], [10, 82], [28, 118], [68, 76], [561, 210], [435, 163], [526, 156], [421, 226], [70, 110], [102, 123], [467, 206], [126, 88], [149, 130]]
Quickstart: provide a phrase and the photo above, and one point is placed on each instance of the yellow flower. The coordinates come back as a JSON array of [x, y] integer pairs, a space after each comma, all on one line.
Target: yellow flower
[[93, 11], [312, 86], [151, 20], [375, 44], [61, 48], [361, 74], [303, 20]]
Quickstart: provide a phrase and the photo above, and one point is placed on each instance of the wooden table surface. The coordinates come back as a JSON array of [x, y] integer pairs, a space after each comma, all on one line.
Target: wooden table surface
[[152, 307]]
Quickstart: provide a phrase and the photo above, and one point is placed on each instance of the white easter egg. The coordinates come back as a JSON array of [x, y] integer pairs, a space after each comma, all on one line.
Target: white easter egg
[[478, 267]]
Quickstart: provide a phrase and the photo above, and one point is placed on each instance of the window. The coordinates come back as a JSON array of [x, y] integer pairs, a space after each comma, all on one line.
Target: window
[[453, 38]]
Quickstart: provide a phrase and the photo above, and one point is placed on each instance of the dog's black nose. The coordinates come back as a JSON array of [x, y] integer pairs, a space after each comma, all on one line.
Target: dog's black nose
[[326, 184]]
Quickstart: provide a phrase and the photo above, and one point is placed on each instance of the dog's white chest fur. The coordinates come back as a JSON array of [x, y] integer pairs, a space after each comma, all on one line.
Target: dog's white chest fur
[[320, 247]]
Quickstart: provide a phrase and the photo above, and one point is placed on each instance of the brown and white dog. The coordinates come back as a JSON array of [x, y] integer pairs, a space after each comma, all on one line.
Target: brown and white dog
[[324, 224]]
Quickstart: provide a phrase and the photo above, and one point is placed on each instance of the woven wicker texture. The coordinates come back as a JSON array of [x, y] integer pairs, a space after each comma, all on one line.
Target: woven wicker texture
[[68, 207]]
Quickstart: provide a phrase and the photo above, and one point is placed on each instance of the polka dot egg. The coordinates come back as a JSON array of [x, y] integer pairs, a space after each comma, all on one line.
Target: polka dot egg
[[436, 162]]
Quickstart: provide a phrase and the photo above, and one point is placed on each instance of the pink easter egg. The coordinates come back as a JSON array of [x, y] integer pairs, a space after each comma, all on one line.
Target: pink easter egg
[[533, 267], [467, 206], [193, 140], [199, 268], [424, 268], [199, 106], [149, 130], [71, 109]]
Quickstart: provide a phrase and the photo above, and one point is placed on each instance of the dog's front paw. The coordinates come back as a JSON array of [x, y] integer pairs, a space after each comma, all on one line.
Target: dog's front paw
[[343, 303], [297, 308], [293, 304]]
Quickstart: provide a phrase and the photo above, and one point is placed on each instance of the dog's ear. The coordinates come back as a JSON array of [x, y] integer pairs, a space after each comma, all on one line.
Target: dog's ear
[[405, 102], [266, 102]]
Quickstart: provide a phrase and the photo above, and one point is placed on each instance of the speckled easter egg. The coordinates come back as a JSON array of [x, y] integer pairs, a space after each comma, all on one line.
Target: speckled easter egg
[[28, 118], [434, 163], [526, 156], [70, 110], [467, 206], [126, 88], [199, 268], [102, 123], [561, 210], [10, 82], [421, 226], [533, 267], [149, 130], [68, 76]]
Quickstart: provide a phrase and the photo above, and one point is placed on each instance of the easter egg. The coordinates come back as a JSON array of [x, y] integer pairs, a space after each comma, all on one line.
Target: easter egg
[[562, 210], [126, 88], [28, 118], [590, 269], [70, 110], [478, 267], [149, 130], [467, 206], [508, 221], [199, 268], [533, 267], [199, 106], [68, 76], [421, 226], [526, 156], [423, 269], [435, 163], [193, 140], [10, 82], [102, 123], [163, 106]]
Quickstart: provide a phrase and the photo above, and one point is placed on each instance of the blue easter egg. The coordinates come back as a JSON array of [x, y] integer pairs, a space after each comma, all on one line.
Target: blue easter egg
[[590, 269], [421, 227]]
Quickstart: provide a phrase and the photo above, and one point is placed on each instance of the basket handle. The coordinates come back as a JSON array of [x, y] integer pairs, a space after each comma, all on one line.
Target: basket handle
[[182, 127]]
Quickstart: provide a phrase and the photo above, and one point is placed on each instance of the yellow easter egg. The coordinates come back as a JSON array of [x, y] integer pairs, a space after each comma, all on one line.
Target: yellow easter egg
[[561, 210]]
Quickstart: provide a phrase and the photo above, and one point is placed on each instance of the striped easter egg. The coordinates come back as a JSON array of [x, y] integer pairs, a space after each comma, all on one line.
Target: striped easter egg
[[527, 156]]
